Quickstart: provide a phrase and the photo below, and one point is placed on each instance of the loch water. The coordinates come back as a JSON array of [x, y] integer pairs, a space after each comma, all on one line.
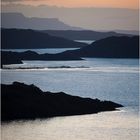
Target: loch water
[[107, 79]]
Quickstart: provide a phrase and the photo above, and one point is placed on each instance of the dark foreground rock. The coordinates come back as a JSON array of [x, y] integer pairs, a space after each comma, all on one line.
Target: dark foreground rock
[[21, 101]]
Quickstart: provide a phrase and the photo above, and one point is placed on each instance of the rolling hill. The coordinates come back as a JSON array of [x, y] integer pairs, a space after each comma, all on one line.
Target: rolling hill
[[30, 39]]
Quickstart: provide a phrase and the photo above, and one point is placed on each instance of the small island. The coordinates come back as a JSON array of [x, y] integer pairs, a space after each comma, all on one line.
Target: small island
[[10, 57], [24, 102]]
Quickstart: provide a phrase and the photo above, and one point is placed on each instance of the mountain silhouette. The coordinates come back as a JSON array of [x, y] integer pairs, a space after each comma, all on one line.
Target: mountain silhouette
[[18, 20], [83, 34]]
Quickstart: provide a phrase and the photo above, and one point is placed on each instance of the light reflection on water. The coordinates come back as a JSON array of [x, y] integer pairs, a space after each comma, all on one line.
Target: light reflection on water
[[119, 87], [106, 79], [101, 126]]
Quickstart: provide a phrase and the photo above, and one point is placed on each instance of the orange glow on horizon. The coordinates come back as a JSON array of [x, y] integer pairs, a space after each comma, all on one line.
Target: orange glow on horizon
[[132, 4]]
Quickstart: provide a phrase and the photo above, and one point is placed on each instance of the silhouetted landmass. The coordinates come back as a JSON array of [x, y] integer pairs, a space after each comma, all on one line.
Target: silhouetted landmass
[[18, 20], [9, 57], [21, 101], [83, 34], [30, 39], [111, 47]]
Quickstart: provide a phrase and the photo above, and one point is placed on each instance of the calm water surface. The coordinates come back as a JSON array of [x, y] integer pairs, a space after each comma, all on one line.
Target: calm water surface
[[51, 50], [106, 79], [85, 41]]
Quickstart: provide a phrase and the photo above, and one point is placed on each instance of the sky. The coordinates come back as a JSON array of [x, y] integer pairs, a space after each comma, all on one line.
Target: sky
[[131, 4]]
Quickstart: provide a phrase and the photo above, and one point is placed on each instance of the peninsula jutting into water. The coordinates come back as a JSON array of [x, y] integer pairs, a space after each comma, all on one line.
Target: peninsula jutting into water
[[21, 101]]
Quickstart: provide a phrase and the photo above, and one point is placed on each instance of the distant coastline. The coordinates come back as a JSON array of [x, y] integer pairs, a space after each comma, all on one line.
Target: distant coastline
[[111, 47]]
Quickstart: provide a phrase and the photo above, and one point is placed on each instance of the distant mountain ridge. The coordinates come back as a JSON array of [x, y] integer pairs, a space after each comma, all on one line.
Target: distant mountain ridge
[[18, 20], [131, 32], [52, 26], [83, 34], [30, 39]]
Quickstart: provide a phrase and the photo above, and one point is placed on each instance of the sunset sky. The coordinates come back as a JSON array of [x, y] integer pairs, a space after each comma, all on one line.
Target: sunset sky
[[132, 4]]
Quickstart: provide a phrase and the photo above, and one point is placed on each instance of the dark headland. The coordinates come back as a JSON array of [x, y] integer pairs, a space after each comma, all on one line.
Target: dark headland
[[111, 47], [21, 101]]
